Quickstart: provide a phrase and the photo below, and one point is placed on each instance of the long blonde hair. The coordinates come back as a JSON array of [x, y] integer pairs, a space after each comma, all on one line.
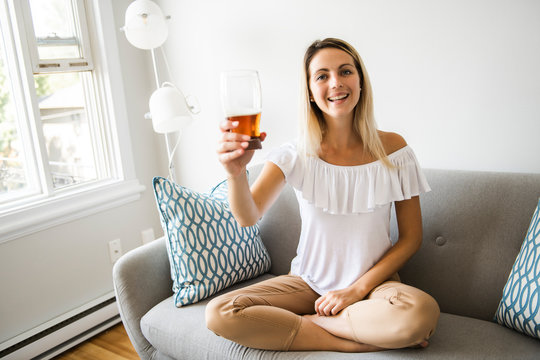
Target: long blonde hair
[[312, 123]]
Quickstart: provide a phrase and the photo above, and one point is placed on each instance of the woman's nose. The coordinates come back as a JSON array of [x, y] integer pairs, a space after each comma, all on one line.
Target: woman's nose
[[335, 81]]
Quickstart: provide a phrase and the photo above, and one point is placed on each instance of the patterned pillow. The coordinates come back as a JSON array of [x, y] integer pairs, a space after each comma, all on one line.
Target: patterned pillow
[[519, 308], [208, 250], [220, 192]]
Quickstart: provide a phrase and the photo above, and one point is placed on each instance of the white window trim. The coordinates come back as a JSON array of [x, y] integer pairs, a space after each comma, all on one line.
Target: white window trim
[[67, 207], [71, 205], [84, 63]]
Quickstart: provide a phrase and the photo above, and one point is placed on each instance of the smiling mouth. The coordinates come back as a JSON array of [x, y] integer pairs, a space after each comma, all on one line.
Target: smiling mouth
[[339, 97]]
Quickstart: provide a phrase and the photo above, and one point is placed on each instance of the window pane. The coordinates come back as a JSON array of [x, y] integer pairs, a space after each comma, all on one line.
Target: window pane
[[13, 175], [55, 30], [64, 118]]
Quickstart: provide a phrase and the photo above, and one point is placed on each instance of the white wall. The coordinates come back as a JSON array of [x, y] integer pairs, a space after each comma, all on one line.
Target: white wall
[[49, 273], [458, 79]]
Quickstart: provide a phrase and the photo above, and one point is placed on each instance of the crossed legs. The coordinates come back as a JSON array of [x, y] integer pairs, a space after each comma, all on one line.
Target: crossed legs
[[393, 316], [268, 315]]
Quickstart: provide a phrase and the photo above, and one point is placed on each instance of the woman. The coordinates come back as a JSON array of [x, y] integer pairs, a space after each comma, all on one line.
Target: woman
[[343, 292]]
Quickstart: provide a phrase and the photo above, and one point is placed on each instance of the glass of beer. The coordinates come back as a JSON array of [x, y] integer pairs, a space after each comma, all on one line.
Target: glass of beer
[[241, 100]]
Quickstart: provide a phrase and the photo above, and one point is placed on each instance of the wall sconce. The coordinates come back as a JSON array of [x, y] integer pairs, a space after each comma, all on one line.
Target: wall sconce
[[145, 25], [146, 28], [169, 108]]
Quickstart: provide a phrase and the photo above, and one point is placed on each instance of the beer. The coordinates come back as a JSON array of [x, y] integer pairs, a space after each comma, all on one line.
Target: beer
[[248, 125], [241, 100]]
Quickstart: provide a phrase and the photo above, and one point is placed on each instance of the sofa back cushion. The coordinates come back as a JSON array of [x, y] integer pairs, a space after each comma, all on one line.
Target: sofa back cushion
[[474, 224]]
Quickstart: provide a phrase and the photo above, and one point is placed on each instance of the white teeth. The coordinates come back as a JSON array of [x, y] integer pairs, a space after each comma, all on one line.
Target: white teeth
[[338, 97]]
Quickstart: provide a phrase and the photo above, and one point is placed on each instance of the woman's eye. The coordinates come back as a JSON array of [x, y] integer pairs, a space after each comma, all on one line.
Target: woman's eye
[[320, 77], [347, 72]]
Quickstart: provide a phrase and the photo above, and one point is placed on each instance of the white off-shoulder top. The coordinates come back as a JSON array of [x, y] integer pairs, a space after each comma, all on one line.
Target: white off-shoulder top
[[345, 212]]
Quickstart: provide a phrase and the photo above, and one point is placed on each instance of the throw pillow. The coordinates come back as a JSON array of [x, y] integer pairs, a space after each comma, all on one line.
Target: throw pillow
[[208, 250], [220, 192], [519, 308]]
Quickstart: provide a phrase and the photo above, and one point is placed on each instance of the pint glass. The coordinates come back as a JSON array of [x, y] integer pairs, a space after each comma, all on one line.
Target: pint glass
[[241, 100]]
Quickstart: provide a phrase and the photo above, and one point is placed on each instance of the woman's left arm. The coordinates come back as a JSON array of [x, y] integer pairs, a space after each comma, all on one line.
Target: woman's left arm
[[409, 219]]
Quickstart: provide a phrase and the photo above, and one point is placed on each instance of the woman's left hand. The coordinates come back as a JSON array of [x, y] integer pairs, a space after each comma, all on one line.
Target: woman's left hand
[[334, 301]]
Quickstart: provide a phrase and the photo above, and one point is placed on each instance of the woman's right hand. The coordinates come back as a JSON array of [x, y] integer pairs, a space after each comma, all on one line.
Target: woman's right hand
[[231, 149]]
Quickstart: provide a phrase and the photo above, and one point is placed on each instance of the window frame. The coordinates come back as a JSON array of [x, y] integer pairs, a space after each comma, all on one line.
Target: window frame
[[59, 65], [50, 208], [19, 89]]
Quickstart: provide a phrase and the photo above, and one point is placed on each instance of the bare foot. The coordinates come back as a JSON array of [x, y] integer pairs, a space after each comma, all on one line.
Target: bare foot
[[422, 345]]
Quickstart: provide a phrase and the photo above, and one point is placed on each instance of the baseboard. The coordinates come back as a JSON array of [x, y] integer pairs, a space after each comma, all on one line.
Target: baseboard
[[64, 332], [78, 339]]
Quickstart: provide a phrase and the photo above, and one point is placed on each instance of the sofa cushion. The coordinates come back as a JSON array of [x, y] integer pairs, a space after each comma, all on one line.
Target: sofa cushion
[[473, 224], [519, 308], [181, 333], [208, 250]]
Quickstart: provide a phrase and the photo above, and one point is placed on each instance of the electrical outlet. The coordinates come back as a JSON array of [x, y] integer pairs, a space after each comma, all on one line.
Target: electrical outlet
[[147, 235], [115, 250]]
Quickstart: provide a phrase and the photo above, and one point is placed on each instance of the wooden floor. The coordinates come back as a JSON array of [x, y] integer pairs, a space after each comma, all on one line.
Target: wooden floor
[[112, 344]]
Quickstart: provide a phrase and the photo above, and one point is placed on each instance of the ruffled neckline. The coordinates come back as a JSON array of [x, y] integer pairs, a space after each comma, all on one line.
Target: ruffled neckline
[[354, 189]]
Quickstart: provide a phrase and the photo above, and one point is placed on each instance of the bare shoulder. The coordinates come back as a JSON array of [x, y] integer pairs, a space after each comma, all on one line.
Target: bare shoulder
[[391, 141]]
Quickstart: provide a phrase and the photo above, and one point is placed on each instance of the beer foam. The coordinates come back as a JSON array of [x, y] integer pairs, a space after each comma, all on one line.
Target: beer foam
[[242, 111]]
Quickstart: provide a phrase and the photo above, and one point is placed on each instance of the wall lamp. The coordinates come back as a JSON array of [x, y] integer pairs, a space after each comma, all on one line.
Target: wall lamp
[[146, 28]]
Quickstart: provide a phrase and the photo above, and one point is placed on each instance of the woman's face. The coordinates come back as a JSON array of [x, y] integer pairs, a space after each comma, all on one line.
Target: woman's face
[[334, 83]]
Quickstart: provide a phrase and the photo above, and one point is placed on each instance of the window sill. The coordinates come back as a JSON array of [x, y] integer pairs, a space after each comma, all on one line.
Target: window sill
[[67, 207]]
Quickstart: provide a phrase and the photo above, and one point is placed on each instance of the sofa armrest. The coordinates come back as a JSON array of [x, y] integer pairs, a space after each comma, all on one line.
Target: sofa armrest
[[141, 280]]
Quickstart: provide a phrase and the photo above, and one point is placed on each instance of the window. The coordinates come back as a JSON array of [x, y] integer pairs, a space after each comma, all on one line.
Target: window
[[59, 140]]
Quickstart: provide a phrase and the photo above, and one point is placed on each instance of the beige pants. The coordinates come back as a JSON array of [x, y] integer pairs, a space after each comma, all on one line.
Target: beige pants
[[267, 315]]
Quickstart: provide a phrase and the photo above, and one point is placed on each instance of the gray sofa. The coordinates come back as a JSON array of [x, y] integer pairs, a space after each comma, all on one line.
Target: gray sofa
[[474, 224]]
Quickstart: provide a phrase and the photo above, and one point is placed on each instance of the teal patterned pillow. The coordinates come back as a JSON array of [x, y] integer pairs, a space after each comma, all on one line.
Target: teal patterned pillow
[[220, 192], [519, 308], [208, 250]]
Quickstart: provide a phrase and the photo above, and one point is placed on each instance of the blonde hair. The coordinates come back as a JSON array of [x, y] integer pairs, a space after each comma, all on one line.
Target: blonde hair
[[312, 123]]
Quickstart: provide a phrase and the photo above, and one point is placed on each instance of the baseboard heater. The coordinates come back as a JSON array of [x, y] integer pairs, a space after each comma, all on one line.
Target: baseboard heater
[[58, 335]]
